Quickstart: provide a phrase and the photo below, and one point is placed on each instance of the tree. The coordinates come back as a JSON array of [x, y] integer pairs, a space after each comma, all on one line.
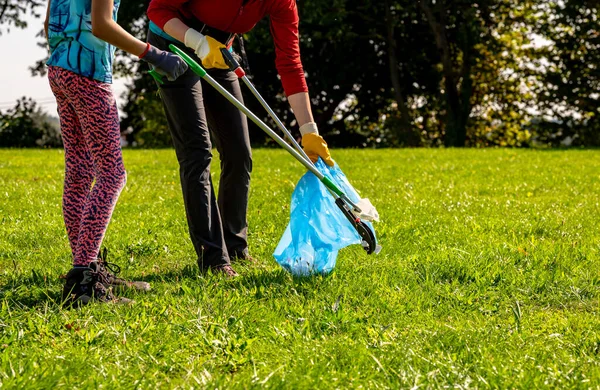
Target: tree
[[26, 125], [356, 83], [12, 11], [569, 80]]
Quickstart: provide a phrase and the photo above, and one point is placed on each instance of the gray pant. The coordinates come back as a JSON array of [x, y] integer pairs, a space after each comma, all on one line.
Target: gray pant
[[195, 111]]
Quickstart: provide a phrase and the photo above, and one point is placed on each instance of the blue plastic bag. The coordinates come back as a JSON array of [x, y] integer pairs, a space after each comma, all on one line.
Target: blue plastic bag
[[317, 228]]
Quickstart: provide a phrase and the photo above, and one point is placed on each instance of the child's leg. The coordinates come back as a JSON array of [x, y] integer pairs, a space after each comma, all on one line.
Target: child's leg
[[78, 163], [101, 128], [96, 108]]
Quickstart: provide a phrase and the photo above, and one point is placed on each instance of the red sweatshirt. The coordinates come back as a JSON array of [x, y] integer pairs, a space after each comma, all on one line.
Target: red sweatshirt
[[231, 16]]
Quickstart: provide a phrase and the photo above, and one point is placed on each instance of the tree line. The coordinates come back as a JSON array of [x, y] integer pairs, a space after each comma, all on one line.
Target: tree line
[[412, 73]]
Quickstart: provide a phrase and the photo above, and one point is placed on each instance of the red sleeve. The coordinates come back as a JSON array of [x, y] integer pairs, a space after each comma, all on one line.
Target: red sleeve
[[161, 11], [284, 29]]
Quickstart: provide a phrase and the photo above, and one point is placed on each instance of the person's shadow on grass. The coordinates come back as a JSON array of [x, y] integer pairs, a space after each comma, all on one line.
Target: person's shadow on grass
[[31, 290]]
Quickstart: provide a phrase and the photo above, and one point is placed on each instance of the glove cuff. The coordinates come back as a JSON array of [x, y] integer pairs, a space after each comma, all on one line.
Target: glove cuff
[[194, 39], [148, 46], [309, 128]]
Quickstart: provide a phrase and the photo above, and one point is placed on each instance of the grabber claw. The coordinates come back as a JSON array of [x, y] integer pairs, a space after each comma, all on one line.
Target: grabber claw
[[369, 242]]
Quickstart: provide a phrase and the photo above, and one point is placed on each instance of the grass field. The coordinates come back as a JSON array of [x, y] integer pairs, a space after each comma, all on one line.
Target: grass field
[[489, 278]]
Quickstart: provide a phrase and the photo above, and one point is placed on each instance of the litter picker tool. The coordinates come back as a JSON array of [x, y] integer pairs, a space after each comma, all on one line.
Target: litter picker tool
[[350, 210]]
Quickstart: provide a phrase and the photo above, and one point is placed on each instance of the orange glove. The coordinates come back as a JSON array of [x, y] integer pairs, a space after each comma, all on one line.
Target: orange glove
[[314, 145]]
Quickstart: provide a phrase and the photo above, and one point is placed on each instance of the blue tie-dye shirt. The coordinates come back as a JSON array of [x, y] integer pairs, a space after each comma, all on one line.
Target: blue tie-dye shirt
[[72, 44]]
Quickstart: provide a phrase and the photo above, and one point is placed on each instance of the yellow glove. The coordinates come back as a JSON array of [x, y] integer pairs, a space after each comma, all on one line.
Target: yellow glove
[[214, 58], [314, 145], [207, 49]]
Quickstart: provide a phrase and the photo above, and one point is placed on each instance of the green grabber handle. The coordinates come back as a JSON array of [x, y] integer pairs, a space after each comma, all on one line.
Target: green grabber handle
[[307, 163], [157, 77]]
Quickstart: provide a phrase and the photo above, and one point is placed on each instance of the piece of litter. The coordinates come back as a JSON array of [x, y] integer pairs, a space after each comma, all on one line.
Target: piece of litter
[[368, 212]]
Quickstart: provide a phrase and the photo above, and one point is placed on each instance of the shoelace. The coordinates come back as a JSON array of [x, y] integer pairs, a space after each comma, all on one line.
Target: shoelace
[[112, 267]]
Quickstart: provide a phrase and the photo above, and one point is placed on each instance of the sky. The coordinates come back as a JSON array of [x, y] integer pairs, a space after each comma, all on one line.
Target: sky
[[20, 51]]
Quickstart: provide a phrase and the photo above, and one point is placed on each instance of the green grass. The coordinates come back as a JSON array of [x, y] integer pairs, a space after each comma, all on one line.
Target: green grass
[[489, 278]]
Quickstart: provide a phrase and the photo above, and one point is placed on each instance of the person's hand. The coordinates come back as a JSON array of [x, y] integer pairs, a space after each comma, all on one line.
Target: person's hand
[[314, 145], [166, 64], [207, 49]]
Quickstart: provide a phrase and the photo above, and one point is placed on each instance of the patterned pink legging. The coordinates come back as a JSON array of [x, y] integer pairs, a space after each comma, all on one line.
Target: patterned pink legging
[[89, 123]]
